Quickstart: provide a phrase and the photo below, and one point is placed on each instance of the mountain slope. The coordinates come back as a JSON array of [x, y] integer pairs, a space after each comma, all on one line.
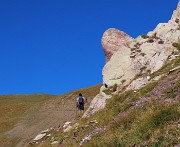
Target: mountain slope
[[24, 116], [149, 116]]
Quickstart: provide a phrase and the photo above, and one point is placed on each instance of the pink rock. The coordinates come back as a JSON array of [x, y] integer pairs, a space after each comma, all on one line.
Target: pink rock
[[113, 40]]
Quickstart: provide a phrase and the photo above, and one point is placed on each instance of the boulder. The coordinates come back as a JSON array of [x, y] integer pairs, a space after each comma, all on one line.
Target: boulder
[[97, 103], [40, 136], [113, 40]]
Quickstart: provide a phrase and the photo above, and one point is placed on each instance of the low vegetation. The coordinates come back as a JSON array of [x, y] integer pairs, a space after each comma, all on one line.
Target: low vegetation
[[177, 20], [107, 92], [123, 81], [149, 124], [176, 45], [161, 42], [137, 45], [150, 41], [143, 68], [144, 36], [15, 108], [142, 54]]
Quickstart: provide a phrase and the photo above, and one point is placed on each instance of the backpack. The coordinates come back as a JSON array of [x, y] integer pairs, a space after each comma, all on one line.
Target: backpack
[[81, 100]]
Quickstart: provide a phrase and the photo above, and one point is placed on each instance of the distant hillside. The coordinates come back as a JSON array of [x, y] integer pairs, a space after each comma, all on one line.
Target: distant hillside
[[24, 116]]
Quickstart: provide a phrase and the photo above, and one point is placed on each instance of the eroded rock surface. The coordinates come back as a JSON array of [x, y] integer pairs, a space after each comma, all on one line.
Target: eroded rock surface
[[126, 57], [113, 40]]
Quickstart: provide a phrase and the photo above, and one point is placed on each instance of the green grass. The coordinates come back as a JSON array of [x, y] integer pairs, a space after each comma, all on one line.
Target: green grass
[[117, 104], [173, 91], [152, 125], [107, 92]]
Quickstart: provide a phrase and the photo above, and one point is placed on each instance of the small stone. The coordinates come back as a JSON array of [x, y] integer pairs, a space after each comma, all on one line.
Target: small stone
[[94, 121], [52, 139], [68, 129], [148, 77], [54, 142], [45, 131], [40, 136], [66, 124]]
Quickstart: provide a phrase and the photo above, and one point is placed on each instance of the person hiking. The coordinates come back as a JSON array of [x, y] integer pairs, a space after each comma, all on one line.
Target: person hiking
[[80, 104]]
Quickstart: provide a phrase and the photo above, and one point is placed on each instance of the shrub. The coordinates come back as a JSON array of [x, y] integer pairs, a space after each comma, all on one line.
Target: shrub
[[137, 45], [144, 36], [150, 41], [143, 68], [148, 71], [177, 20], [170, 93], [123, 81], [114, 87], [142, 54], [155, 36], [176, 45], [132, 49], [161, 42]]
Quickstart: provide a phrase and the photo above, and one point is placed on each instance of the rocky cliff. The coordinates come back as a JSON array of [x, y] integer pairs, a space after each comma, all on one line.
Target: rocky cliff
[[127, 58], [139, 98]]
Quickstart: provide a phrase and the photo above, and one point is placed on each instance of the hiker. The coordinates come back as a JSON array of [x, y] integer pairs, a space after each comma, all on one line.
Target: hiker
[[80, 104]]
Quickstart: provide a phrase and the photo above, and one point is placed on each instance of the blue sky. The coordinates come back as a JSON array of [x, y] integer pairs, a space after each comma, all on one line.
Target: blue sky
[[54, 46]]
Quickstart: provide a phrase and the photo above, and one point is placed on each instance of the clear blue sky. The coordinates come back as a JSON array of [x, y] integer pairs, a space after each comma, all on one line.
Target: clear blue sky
[[54, 46]]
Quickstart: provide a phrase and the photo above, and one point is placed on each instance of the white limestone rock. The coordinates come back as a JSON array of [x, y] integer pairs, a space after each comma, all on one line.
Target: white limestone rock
[[40, 136], [97, 103]]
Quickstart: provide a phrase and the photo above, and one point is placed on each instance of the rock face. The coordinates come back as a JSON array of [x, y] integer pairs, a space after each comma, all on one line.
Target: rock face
[[97, 103], [113, 40], [126, 57]]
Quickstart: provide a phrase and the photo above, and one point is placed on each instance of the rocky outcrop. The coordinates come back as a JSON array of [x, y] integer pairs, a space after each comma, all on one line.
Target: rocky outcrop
[[113, 40], [97, 103], [128, 57]]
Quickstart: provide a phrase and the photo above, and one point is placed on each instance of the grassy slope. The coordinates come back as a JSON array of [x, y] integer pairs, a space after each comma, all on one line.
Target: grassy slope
[[24, 116], [153, 123]]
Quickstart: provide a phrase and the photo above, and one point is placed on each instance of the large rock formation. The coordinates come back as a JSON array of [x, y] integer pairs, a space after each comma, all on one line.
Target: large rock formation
[[113, 40], [127, 57]]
